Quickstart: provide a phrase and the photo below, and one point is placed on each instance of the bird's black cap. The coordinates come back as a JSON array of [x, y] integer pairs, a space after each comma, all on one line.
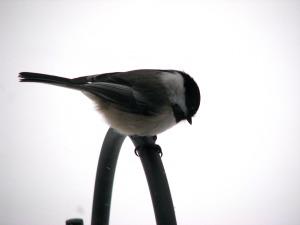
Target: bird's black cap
[[192, 96]]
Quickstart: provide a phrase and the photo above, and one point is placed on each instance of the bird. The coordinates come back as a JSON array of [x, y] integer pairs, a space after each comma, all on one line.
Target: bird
[[141, 102]]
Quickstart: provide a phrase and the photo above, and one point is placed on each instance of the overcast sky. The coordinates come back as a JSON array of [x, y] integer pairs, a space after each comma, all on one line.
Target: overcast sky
[[238, 164]]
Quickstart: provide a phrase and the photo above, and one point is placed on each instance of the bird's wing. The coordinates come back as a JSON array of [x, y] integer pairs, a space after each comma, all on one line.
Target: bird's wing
[[132, 95], [125, 98]]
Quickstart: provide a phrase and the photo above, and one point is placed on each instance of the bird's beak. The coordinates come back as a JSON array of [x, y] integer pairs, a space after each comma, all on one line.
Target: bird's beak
[[189, 119]]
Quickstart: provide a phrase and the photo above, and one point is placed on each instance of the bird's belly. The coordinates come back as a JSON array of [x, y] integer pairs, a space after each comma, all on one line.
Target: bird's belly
[[134, 124]]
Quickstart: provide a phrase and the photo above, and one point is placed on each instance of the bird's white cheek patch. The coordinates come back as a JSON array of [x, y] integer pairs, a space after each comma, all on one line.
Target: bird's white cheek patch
[[174, 84]]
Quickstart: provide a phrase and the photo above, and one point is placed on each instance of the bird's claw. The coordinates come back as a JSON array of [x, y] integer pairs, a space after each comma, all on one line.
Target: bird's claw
[[154, 147], [157, 148]]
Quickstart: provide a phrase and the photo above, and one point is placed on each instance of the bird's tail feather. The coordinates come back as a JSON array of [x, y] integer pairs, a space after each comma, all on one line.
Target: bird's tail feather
[[48, 79]]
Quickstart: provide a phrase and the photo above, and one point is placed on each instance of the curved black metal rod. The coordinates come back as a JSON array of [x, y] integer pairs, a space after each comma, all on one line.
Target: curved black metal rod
[[157, 179], [105, 177], [149, 154]]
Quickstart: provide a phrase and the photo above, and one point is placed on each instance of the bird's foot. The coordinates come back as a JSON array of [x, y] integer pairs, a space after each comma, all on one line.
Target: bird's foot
[[151, 147]]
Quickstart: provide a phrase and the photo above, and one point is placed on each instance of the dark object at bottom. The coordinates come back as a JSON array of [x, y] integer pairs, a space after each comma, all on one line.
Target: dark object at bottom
[[74, 222]]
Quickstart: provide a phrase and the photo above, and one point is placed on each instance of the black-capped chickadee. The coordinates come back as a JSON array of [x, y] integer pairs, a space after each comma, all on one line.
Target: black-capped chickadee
[[139, 102]]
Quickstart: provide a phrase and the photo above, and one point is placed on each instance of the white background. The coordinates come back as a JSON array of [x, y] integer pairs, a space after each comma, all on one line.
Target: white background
[[238, 164]]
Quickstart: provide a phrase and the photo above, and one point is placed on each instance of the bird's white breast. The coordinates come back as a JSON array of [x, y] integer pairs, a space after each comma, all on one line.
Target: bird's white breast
[[134, 124]]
